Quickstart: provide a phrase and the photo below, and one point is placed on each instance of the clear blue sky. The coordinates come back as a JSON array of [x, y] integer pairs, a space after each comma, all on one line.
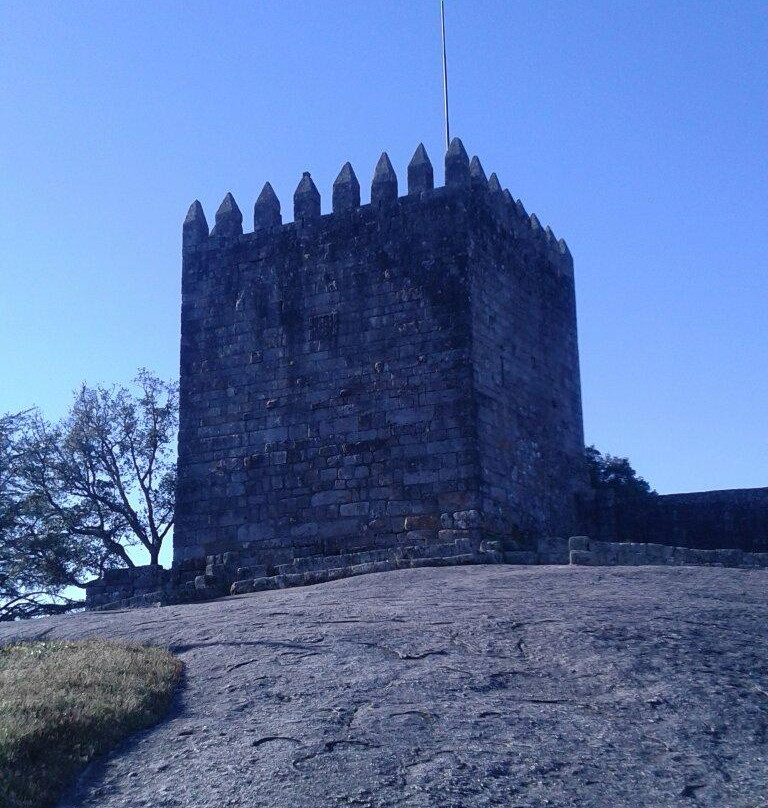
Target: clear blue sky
[[639, 131]]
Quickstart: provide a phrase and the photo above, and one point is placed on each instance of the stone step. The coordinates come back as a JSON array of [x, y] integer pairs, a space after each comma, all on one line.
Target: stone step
[[318, 562], [319, 569], [520, 557], [251, 572]]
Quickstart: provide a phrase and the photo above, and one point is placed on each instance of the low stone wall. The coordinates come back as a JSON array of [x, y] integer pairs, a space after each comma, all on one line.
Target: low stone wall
[[317, 570], [235, 573], [232, 573], [585, 551], [142, 586], [706, 520]]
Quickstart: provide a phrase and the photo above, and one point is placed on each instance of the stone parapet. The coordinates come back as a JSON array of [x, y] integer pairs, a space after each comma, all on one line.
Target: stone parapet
[[587, 552], [708, 520], [237, 572], [142, 586]]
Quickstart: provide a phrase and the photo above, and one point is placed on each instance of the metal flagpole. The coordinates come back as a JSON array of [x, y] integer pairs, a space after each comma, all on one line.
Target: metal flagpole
[[445, 79]]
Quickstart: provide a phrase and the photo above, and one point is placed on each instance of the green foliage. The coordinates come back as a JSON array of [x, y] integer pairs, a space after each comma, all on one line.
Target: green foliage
[[35, 564], [75, 495], [607, 472], [63, 703]]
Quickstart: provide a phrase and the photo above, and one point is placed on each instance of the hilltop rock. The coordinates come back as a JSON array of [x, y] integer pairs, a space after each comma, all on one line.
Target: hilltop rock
[[468, 686]]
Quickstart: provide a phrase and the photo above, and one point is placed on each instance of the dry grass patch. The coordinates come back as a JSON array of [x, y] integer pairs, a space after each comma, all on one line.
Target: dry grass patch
[[63, 703]]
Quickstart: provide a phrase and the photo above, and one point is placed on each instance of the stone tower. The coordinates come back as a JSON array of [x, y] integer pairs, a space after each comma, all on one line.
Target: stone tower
[[400, 374]]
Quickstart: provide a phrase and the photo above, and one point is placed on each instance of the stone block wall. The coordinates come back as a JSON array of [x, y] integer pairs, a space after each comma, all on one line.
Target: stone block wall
[[589, 552], [394, 384], [526, 380], [136, 586], [236, 573], [707, 520], [391, 375]]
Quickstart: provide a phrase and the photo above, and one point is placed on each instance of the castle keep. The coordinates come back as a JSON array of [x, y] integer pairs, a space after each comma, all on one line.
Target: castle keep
[[399, 374], [391, 385]]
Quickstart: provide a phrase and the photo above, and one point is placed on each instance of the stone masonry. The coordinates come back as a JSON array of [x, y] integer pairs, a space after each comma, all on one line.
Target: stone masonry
[[395, 385], [400, 374], [706, 520]]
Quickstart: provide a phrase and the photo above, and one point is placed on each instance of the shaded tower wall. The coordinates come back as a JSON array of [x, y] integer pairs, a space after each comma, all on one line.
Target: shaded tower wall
[[379, 376], [526, 377]]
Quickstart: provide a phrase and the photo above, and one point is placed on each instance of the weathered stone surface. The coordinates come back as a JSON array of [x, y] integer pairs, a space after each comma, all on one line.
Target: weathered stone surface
[[578, 543], [473, 687], [423, 522], [241, 587], [601, 553], [306, 200], [553, 550], [457, 165], [345, 375], [384, 183], [494, 186], [477, 177], [229, 219], [421, 547], [346, 190], [266, 211], [341, 379], [466, 520], [520, 557], [580, 557], [707, 520], [421, 176], [195, 229], [549, 233]]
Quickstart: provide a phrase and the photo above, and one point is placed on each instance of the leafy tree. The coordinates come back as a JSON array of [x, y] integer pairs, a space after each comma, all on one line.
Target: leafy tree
[[35, 563], [607, 472], [9, 429], [78, 494]]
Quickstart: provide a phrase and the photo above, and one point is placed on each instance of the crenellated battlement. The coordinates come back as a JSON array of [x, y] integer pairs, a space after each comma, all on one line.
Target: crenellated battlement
[[463, 177]]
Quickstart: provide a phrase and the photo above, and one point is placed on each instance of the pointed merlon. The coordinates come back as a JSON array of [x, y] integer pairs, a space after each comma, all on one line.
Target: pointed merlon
[[456, 165], [521, 211], [477, 176], [346, 190], [421, 176], [551, 239], [566, 259], [306, 200], [229, 220], [384, 185], [494, 186], [508, 199], [195, 229], [535, 223], [266, 211]]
